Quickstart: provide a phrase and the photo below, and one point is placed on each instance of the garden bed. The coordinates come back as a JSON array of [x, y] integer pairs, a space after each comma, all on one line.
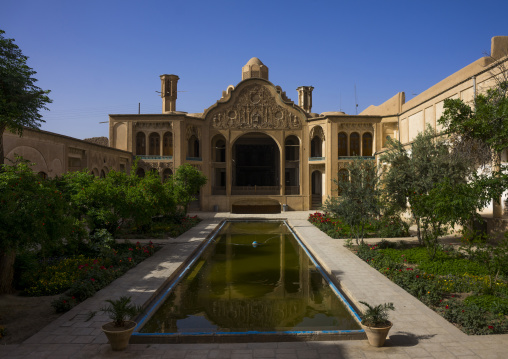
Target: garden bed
[[462, 290]]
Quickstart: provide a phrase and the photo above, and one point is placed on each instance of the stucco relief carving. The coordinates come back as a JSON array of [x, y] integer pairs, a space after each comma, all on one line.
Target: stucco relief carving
[[159, 166], [317, 131], [76, 151], [255, 108], [154, 125], [356, 127], [192, 130]]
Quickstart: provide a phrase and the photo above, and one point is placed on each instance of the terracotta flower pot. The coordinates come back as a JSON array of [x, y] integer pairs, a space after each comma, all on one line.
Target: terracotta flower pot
[[119, 336], [377, 336]]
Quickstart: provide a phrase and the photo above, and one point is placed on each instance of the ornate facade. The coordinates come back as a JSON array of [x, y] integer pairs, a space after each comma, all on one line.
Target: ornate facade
[[258, 147], [255, 145]]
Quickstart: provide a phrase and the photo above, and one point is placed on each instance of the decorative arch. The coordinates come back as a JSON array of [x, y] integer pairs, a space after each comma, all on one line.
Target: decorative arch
[[140, 143], [154, 141], [367, 144], [343, 176], [218, 148], [166, 174], [342, 144], [167, 144], [354, 144]]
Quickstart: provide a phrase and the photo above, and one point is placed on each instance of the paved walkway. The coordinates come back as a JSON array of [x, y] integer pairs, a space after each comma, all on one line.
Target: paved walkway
[[418, 332]]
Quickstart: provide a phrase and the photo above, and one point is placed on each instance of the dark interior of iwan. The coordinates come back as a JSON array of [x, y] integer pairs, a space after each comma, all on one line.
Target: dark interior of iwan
[[256, 161]]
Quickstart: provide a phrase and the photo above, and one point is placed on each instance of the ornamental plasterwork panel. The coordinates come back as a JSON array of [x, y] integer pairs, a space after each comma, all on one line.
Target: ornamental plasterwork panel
[[159, 166], [356, 127], [320, 167], [255, 108], [317, 131], [76, 151], [154, 125], [192, 130]]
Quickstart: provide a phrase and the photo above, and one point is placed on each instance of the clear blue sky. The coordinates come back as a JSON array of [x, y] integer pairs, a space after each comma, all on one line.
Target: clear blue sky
[[103, 57]]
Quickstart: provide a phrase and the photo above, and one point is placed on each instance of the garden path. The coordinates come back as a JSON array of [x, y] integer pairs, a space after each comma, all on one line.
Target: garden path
[[417, 332]]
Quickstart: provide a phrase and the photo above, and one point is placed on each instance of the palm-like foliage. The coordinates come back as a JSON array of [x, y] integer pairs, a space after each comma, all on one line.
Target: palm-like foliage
[[121, 309], [376, 316]]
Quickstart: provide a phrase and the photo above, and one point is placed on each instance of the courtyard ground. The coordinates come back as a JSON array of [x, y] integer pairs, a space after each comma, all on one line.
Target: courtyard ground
[[417, 332]]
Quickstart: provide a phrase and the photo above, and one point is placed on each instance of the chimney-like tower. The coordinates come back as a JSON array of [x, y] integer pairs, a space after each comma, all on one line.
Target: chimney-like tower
[[305, 97], [168, 92]]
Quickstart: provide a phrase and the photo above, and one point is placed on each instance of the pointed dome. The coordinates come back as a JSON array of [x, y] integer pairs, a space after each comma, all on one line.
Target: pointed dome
[[254, 69], [254, 61]]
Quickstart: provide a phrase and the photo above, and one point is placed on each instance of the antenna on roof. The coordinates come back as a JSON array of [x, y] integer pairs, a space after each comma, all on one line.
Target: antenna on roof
[[356, 102], [340, 101]]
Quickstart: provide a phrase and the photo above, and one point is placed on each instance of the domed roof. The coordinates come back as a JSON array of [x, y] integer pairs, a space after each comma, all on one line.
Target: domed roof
[[254, 61], [254, 69]]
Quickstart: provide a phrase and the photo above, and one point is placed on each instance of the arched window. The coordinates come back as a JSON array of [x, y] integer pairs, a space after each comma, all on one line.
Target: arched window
[[316, 147], [155, 144], [342, 144], [167, 144], [43, 175], [103, 174], [193, 149], [354, 144], [367, 144], [140, 172], [292, 147], [343, 177], [220, 151], [140, 144], [166, 174]]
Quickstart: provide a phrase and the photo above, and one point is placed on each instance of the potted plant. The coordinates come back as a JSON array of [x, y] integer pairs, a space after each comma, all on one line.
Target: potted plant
[[120, 329], [375, 323]]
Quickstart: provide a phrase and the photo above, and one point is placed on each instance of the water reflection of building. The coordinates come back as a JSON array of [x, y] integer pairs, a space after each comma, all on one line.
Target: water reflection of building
[[271, 287]]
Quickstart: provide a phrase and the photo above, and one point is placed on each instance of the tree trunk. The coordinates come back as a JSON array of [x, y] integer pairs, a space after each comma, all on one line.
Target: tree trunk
[[6, 271], [2, 129]]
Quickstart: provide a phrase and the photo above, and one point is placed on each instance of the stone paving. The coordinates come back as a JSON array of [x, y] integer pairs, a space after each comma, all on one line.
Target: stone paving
[[418, 332]]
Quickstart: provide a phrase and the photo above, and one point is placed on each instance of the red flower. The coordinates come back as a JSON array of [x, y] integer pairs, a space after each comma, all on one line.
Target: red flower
[[491, 327], [64, 301], [130, 249], [92, 279], [417, 276], [446, 307]]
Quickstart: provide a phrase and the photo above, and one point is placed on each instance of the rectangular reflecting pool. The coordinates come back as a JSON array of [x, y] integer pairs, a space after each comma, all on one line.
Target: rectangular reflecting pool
[[251, 281]]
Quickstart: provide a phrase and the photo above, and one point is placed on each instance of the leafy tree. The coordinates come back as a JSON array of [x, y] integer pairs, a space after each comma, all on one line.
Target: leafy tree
[[185, 184], [480, 135], [107, 203], [20, 98], [431, 183], [33, 214], [358, 202]]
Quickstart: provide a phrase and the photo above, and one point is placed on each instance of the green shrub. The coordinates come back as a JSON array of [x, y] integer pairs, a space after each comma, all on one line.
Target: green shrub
[[492, 303]]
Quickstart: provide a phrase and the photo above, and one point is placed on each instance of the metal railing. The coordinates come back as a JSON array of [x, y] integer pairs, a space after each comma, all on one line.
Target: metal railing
[[154, 157], [193, 158], [316, 158], [255, 190], [353, 157]]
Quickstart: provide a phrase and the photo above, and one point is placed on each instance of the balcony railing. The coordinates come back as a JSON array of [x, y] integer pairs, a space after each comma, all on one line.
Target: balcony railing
[[153, 157], [316, 158], [193, 158], [292, 190], [219, 190], [255, 190], [353, 157]]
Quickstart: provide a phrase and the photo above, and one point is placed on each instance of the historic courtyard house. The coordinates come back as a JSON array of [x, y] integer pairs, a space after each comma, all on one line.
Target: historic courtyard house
[[259, 149]]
